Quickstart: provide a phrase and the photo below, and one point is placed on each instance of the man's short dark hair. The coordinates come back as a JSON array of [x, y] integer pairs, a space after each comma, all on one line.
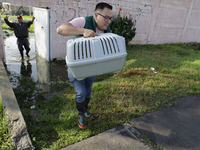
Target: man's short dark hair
[[102, 5]]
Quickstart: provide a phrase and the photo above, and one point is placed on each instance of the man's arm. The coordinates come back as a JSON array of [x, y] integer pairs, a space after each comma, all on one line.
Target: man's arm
[[30, 22], [33, 19], [67, 29], [8, 23]]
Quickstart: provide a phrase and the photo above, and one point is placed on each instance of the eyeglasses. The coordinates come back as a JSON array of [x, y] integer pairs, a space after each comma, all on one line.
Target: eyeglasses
[[106, 18]]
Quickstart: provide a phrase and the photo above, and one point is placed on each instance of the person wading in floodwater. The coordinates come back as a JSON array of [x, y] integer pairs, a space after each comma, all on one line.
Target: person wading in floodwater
[[21, 32]]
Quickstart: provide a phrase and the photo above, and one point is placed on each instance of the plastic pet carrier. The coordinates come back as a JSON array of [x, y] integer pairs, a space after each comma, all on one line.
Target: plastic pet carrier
[[105, 53]]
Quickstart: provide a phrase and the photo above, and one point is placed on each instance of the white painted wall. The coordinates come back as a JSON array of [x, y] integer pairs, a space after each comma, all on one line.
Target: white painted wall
[[41, 29], [157, 21]]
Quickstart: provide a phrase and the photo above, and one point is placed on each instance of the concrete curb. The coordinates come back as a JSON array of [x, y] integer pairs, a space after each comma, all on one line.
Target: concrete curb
[[16, 123]]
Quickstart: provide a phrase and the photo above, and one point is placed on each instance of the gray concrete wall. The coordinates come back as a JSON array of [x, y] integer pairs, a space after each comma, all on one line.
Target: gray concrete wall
[[157, 21], [2, 49], [16, 123]]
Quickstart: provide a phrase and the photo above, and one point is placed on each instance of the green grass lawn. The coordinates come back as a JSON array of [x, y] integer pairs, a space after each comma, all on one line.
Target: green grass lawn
[[5, 137], [117, 98], [14, 19]]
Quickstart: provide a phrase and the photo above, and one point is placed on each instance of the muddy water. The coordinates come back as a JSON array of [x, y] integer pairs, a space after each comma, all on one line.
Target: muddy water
[[54, 75], [13, 57]]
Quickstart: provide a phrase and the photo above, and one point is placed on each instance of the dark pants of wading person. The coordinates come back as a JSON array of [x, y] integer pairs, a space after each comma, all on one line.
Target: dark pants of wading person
[[23, 42]]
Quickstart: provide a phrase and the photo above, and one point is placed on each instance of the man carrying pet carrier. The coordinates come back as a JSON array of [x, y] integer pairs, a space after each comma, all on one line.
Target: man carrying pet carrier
[[88, 26]]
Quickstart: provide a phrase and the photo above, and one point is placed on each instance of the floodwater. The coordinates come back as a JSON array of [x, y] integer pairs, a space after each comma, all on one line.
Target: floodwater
[[13, 57], [54, 75]]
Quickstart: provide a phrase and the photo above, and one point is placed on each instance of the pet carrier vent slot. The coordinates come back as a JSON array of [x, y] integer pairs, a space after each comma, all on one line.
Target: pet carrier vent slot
[[109, 45], [86, 49], [74, 51], [90, 49], [113, 44], [78, 50], [82, 50], [117, 44], [103, 46], [106, 45]]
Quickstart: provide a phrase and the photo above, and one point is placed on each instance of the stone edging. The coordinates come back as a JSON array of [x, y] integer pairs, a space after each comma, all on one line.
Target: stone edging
[[15, 120]]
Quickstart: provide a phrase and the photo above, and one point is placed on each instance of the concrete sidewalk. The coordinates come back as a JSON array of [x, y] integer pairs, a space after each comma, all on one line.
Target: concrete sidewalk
[[123, 137], [172, 128]]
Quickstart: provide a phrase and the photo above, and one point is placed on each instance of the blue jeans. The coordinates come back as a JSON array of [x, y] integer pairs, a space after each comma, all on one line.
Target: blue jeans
[[83, 88]]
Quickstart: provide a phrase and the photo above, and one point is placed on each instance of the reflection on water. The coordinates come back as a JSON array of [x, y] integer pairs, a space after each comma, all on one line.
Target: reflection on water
[[52, 75], [26, 70]]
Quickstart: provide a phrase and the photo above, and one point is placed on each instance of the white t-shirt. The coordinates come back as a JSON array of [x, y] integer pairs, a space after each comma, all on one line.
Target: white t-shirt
[[80, 22]]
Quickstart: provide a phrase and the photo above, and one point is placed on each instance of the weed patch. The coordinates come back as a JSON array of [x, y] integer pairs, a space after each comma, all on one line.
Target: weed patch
[[5, 137]]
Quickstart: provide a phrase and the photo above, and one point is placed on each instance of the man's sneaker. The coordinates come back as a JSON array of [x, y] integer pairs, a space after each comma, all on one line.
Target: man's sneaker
[[22, 59]]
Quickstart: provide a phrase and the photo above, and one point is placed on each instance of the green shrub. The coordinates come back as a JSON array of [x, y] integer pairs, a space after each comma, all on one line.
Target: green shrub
[[123, 27]]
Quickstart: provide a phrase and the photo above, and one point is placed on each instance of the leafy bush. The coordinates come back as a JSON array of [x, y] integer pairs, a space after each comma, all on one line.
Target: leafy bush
[[123, 27]]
